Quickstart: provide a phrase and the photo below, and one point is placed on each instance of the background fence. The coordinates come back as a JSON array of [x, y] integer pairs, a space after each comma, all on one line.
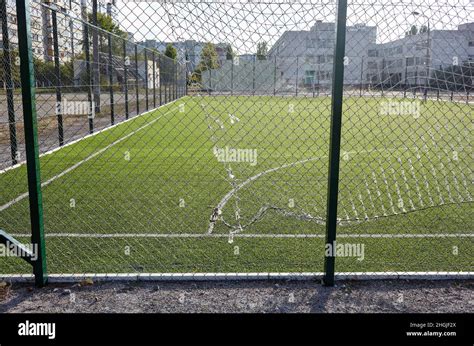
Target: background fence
[[206, 137]]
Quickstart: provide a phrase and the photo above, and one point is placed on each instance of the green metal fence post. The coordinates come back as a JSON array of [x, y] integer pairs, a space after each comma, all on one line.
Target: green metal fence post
[[147, 105], [232, 77], [95, 58], [160, 70], [335, 142], [137, 81], [111, 80], [126, 63], [297, 76], [154, 79], [31, 140], [57, 68], [86, 47]]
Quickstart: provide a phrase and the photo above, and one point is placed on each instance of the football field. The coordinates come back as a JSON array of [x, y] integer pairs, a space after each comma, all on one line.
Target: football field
[[239, 183]]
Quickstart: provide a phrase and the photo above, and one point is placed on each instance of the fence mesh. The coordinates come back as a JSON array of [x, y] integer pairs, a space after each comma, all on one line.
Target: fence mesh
[[193, 136]]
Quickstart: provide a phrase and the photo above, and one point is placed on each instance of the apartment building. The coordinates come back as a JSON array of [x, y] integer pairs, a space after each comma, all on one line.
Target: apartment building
[[412, 60], [70, 30], [306, 57]]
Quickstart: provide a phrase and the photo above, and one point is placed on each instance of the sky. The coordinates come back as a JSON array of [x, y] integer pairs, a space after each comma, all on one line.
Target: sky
[[245, 23]]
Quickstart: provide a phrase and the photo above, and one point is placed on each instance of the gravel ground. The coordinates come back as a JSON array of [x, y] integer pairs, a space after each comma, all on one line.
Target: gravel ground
[[242, 296]]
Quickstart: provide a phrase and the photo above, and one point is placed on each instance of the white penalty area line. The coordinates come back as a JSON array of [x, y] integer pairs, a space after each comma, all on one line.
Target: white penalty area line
[[73, 167], [243, 235]]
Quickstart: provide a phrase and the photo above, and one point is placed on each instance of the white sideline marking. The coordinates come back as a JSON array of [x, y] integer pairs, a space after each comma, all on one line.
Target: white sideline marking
[[244, 235], [73, 167], [74, 278], [232, 192], [91, 135]]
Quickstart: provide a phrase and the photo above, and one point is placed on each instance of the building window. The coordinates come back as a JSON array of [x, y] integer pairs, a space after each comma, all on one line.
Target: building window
[[372, 65], [373, 53], [310, 43]]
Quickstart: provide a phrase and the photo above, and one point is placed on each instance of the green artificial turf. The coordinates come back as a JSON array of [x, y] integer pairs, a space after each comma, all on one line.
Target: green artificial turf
[[401, 174]]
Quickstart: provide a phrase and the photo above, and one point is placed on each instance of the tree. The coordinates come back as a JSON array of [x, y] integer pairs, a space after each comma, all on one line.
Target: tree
[[106, 23], [209, 60], [15, 68], [171, 52], [45, 72], [229, 52], [424, 29], [413, 31], [262, 50]]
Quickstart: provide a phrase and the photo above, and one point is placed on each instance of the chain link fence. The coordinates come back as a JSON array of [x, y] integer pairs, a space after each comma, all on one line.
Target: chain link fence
[[197, 137]]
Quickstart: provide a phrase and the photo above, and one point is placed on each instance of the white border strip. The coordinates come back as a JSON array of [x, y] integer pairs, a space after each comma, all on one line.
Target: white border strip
[[244, 235], [72, 278]]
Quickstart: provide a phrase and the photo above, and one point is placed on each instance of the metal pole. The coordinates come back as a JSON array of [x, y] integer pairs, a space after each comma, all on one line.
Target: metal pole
[[274, 75], [232, 78], [319, 73], [89, 77], [210, 80], [175, 80], [361, 76], [186, 81], [146, 80], [31, 141], [335, 142], [71, 28], [9, 83], [382, 84], [111, 81], [253, 75], [406, 78], [137, 80], [154, 79], [297, 75], [160, 77], [59, 113], [95, 53], [416, 81], [167, 84], [126, 62], [427, 61]]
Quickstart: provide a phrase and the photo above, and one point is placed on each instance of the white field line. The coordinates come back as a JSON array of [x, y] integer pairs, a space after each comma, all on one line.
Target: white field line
[[72, 278], [73, 167], [232, 192], [244, 235], [90, 135]]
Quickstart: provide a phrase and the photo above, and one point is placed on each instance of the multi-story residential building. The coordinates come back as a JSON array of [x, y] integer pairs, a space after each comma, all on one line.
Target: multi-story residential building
[[413, 60], [70, 31], [306, 57], [36, 27]]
